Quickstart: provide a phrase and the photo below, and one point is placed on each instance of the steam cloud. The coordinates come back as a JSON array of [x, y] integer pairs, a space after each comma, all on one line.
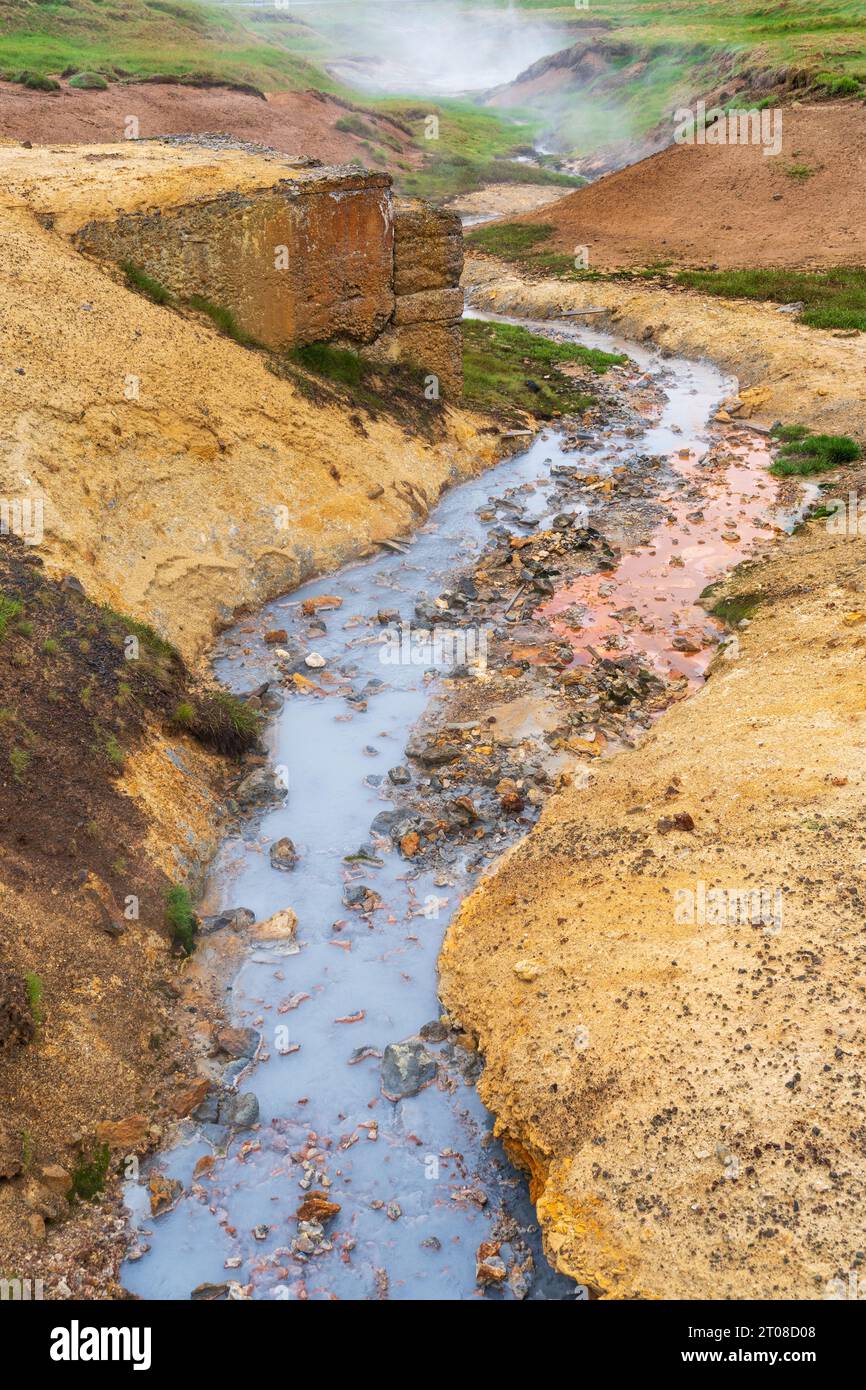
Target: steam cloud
[[442, 47]]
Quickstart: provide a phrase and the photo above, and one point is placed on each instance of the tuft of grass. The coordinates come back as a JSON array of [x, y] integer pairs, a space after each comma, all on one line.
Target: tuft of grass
[[34, 988], [124, 626], [89, 82], [341, 365], [804, 454], [145, 284], [223, 319], [10, 609], [19, 759], [180, 918], [800, 172], [38, 82], [220, 721], [834, 298], [184, 715], [115, 753], [789, 433], [88, 1176]]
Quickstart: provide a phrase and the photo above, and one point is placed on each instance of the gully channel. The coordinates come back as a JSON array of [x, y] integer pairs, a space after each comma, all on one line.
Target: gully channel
[[343, 1152]]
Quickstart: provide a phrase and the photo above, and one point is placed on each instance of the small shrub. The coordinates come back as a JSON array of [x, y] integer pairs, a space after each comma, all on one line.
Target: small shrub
[[50, 647], [180, 918], [88, 1177]]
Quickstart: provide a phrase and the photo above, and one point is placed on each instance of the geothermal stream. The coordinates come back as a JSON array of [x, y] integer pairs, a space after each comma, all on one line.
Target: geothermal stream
[[420, 1181]]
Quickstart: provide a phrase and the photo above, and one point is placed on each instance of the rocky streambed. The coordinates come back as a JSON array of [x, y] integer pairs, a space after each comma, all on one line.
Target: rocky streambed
[[425, 703]]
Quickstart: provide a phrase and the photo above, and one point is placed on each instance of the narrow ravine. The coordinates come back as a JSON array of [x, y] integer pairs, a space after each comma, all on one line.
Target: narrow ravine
[[419, 1181]]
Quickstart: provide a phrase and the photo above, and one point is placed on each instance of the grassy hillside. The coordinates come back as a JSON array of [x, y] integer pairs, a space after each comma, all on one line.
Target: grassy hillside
[[647, 56], [146, 37]]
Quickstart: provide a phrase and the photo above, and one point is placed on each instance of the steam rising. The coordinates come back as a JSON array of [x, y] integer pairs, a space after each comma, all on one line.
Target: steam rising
[[441, 47]]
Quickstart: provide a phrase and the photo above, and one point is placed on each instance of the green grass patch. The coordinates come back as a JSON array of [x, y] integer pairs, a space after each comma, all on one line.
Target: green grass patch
[[145, 284], [33, 986], [122, 626], [89, 82], [223, 319], [180, 918], [114, 752], [831, 298], [507, 369], [342, 365], [19, 761], [510, 240], [10, 609], [804, 454], [734, 609], [221, 721]]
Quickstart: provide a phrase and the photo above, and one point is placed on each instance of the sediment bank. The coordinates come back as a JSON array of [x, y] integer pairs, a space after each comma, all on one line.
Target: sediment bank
[[786, 371]]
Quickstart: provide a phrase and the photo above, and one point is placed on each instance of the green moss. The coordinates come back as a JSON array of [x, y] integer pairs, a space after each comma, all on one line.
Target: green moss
[[88, 1176], [180, 918], [734, 609]]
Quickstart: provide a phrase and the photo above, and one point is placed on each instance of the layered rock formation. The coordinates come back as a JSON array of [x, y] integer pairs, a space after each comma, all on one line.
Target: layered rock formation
[[296, 253]]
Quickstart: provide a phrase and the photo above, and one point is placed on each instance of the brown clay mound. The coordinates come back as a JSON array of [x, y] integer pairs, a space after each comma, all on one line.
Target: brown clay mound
[[730, 206], [291, 122]]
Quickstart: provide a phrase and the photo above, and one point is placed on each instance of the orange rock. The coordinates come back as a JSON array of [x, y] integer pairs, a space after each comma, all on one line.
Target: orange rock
[[311, 606], [164, 1192], [128, 1134], [410, 844], [190, 1096], [317, 1206]]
